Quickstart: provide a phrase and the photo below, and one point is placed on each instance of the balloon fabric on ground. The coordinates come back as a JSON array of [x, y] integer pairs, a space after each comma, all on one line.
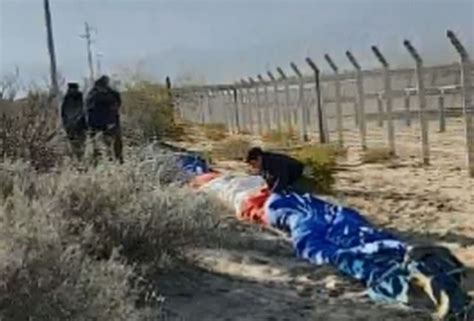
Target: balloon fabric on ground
[[326, 233]]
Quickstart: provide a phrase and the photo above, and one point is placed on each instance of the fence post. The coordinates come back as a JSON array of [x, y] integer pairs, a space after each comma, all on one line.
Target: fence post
[[266, 104], [228, 110], [442, 114], [388, 98], [240, 106], [360, 99], [287, 114], [425, 149], [202, 114], [303, 116], [209, 113], [380, 111], [235, 102], [248, 108], [258, 105], [337, 94], [322, 127], [277, 107], [407, 101], [468, 108]]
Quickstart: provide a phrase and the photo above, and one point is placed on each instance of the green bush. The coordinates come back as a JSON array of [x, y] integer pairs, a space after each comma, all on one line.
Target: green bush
[[320, 163]]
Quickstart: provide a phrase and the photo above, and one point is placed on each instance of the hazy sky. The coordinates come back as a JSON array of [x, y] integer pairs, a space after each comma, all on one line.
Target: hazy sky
[[223, 40]]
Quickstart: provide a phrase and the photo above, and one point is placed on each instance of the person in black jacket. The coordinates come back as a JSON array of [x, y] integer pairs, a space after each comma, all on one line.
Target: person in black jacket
[[281, 172], [74, 119], [103, 116]]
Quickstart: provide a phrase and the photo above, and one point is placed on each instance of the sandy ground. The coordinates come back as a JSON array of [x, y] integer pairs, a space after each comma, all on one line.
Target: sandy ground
[[255, 276]]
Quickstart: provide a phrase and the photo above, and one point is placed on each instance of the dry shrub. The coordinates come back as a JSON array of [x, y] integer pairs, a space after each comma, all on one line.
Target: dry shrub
[[73, 246], [148, 112], [287, 137], [234, 148], [376, 155], [44, 277], [27, 129], [129, 211], [320, 163], [215, 132]]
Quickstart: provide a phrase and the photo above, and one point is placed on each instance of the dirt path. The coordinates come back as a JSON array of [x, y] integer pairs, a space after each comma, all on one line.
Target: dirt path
[[255, 276]]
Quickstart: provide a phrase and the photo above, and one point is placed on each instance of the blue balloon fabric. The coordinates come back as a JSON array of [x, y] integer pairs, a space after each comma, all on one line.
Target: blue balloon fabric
[[327, 233], [193, 164]]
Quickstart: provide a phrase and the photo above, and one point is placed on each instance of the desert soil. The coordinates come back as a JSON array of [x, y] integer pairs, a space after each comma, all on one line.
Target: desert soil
[[254, 275]]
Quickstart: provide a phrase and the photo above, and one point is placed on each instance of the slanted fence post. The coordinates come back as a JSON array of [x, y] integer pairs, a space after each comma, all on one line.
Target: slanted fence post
[[425, 149], [380, 111], [237, 116], [388, 98], [360, 99], [301, 106], [337, 96], [277, 107], [247, 106], [467, 92], [442, 113], [322, 126], [287, 110], [407, 101], [266, 104], [258, 105]]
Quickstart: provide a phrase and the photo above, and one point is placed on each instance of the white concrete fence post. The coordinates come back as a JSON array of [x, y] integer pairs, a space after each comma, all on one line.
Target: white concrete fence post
[[337, 96], [425, 149], [388, 98], [302, 115], [360, 99], [266, 104], [258, 105], [467, 93], [277, 106], [287, 110], [322, 125]]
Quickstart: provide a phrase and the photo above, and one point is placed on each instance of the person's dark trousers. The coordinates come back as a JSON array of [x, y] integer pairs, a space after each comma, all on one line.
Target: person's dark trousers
[[112, 139], [77, 136]]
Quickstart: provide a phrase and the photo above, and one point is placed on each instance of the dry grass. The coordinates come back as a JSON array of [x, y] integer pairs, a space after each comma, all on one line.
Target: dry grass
[[281, 138], [376, 155], [215, 132], [148, 112], [231, 149], [26, 128], [75, 245]]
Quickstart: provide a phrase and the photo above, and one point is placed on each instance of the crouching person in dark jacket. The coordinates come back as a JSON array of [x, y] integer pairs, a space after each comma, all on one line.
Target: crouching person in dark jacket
[[103, 116], [280, 172], [74, 119]]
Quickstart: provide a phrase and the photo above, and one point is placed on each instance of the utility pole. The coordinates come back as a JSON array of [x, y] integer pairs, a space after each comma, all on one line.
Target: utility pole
[[52, 54], [87, 36]]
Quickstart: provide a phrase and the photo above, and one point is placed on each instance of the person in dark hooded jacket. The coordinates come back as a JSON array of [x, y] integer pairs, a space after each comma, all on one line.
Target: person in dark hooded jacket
[[103, 116], [280, 172], [74, 119]]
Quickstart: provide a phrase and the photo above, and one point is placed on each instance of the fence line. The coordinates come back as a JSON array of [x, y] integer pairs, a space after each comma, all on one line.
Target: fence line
[[302, 102]]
